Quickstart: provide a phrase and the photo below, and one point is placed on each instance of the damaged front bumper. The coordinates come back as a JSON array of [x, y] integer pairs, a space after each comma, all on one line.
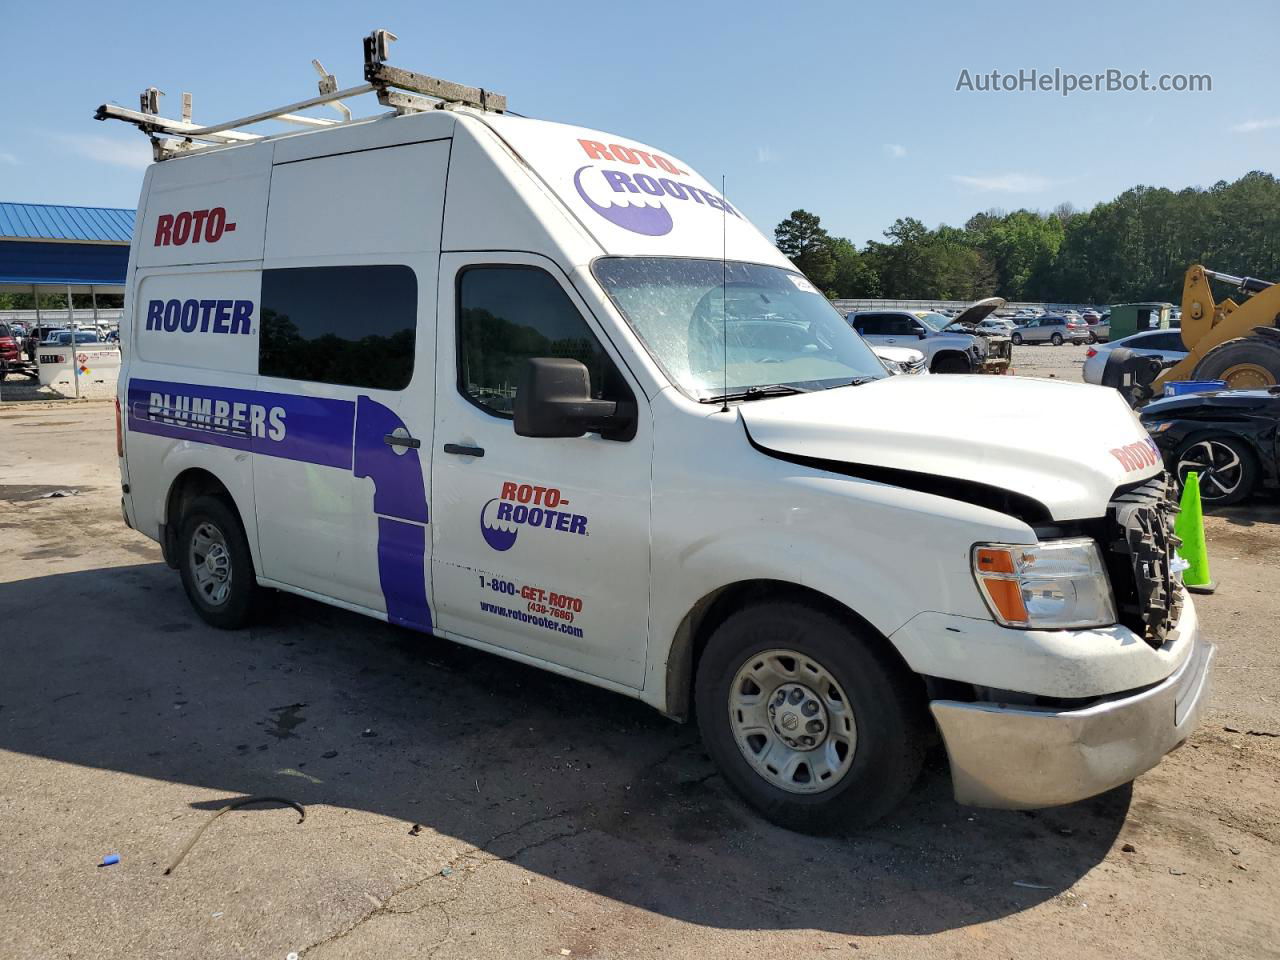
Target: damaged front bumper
[[999, 356], [1018, 757]]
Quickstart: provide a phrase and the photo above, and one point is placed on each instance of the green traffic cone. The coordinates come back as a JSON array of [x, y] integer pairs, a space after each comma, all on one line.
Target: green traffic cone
[[1189, 528]]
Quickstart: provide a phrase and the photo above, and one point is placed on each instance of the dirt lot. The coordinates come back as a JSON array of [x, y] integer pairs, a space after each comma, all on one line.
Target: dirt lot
[[1045, 360], [555, 819]]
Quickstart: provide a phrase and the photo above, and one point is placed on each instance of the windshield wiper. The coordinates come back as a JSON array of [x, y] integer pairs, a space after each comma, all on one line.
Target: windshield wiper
[[859, 381], [756, 393]]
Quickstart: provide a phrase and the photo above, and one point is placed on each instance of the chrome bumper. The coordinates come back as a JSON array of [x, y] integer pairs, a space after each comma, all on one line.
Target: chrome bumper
[[1023, 757]]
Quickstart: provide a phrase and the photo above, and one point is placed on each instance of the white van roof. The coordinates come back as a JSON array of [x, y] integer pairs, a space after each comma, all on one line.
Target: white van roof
[[632, 199]]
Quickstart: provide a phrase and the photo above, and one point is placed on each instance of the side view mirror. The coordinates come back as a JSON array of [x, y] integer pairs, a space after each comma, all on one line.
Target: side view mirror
[[554, 400]]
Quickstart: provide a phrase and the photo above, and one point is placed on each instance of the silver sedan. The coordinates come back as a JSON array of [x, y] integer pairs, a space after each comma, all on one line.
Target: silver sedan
[[1166, 344]]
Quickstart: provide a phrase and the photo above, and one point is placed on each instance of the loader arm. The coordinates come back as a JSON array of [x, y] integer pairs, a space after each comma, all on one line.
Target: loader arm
[[1207, 324]]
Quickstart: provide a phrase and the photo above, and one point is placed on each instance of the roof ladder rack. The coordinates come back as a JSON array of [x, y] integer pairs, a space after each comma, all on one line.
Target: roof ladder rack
[[174, 137]]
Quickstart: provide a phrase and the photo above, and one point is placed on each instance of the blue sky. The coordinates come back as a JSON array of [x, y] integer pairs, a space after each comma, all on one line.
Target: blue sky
[[849, 110]]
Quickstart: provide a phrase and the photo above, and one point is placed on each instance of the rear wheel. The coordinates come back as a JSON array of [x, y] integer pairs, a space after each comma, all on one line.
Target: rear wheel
[[1225, 465], [1244, 363], [1016, 339], [812, 724], [215, 564], [1056, 339]]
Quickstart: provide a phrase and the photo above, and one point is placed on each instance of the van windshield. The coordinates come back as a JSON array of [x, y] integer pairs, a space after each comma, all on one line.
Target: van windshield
[[781, 332]]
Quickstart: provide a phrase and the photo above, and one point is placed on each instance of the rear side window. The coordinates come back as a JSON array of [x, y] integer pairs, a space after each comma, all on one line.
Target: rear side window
[[352, 326], [509, 314], [1171, 340], [4, 331]]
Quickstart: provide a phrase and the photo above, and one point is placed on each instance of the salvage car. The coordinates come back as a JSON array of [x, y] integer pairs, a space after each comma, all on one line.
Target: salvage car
[[11, 359], [951, 345], [1165, 344], [1228, 437], [633, 444]]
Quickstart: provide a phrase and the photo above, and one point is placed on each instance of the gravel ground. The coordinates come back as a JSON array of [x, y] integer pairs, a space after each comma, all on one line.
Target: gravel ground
[[1060, 363], [460, 805]]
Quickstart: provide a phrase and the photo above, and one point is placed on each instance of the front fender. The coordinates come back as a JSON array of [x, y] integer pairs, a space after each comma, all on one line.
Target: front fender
[[725, 513]]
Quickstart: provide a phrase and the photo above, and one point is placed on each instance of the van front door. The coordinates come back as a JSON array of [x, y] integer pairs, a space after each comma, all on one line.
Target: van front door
[[541, 545]]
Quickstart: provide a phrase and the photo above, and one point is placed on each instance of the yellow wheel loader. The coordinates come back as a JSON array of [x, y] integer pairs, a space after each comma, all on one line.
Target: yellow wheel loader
[[1238, 343]]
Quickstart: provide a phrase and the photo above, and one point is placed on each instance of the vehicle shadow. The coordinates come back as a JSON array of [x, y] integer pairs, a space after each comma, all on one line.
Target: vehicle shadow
[[1261, 508], [583, 786]]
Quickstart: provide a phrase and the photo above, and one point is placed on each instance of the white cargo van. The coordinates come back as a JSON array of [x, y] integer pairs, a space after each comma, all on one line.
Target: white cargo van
[[542, 390]]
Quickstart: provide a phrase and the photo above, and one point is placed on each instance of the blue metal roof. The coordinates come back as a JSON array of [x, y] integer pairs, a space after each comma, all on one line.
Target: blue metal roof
[[42, 221]]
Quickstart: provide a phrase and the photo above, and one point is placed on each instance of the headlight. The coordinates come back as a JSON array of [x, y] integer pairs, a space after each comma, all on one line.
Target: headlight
[[1054, 585]]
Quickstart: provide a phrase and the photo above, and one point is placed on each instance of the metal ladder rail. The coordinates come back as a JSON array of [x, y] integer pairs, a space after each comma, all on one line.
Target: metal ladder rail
[[426, 93]]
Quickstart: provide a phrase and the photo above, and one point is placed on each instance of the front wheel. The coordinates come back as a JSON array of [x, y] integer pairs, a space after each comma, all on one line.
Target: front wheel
[[812, 723], [955, 363], [1017, 339], [215, 564], [1056, 339]]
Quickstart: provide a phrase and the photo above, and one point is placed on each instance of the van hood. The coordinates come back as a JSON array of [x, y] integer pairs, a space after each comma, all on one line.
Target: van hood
[[1065, 446]]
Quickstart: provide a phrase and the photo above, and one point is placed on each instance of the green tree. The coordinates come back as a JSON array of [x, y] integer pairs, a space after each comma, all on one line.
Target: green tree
[[853, 275], [802, 238]]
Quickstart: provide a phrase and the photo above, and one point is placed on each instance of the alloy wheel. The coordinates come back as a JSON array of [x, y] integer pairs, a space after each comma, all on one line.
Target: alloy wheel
[[1219, 468]]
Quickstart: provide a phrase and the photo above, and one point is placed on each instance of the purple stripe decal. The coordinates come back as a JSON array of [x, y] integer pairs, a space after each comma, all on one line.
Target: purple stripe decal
[[311, 429], [402, 572], [398, 487], [317, 430]]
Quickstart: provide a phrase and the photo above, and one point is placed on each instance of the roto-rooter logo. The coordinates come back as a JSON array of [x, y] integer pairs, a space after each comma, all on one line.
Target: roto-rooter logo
[[651, 218], [192, 226], [524, 505], [1137, 456]]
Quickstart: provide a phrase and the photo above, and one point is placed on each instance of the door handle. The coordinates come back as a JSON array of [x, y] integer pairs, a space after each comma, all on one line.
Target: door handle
[[394, 440], [463, 451]]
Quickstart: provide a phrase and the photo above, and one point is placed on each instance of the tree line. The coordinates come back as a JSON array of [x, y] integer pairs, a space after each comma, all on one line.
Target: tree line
[[1135, 247]]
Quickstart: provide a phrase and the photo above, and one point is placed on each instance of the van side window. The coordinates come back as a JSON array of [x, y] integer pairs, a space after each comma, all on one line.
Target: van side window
[[353, 326], [508, 314]]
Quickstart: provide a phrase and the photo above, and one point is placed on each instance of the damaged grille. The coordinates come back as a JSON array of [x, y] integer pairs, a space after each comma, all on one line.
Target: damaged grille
[[1001, 349], [1140, 548]]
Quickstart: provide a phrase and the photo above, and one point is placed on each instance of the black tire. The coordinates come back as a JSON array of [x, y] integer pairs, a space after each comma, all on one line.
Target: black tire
[[1224, 483], [1093, 337], [236, 608], [953, 363], [1056, 339], [1262, 353], [1016, 339], [886, 703]]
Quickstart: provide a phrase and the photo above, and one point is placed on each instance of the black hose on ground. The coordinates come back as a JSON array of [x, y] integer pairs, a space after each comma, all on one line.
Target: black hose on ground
[[233, 805]]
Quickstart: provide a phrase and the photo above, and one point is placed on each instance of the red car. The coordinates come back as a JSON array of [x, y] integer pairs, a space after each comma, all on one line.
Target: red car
[[11, 357]]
